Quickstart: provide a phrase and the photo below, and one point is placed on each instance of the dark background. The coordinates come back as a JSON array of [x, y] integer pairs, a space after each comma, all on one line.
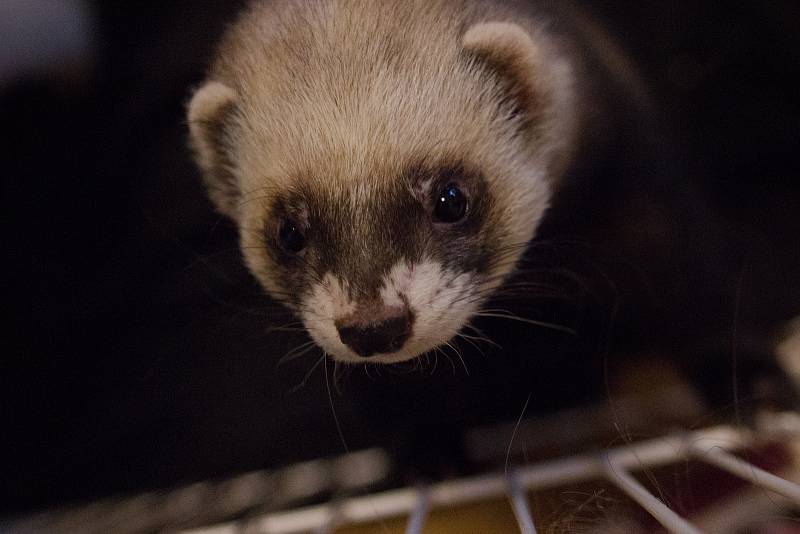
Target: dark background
[[136, 345]]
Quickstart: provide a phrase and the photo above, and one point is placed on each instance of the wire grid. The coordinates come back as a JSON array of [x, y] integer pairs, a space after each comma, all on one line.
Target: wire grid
[[253, 498], [713, 446]]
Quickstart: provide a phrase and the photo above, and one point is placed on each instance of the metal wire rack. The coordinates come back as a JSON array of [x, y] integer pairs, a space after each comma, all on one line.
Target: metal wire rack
[[192, 509], [715, 446]]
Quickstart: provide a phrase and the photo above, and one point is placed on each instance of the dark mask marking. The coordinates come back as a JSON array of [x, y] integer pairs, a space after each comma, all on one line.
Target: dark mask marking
[[360, 241]]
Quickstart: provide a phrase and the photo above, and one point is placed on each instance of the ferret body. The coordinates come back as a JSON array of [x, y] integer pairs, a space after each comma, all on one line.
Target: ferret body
[[387, 163]]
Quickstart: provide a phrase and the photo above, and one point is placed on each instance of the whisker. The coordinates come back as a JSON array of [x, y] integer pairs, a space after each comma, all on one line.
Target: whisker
[[435, 362], [366, 371], [439, 350], [469, 339], [296, 352], [514, 433], [481, 335], [333, 409], [458, 353], [306, 377], [294, 326], [337, 376], [543, 324]]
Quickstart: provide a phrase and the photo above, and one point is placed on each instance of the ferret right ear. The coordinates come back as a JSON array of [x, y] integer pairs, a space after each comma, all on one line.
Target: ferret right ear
[[209, 113], [508, 50]]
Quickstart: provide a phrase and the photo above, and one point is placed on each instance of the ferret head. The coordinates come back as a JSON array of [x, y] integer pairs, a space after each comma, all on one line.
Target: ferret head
[[386, 163]]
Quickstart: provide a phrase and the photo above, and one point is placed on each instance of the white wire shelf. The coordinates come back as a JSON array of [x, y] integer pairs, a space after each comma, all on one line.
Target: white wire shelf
[[713, 446], [261, 493]]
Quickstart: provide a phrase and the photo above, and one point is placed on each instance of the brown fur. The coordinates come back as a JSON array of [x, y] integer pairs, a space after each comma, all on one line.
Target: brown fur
[[340, 102]]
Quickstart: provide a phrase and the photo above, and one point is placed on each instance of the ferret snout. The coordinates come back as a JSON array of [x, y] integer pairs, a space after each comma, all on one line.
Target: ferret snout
[[369, 332]]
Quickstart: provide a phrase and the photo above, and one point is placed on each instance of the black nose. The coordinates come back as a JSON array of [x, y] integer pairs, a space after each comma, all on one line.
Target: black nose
[[385, 337]]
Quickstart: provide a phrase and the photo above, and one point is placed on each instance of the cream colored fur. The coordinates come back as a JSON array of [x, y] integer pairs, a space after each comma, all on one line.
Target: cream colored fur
[[204, 115], [344, 94], [203, 107]]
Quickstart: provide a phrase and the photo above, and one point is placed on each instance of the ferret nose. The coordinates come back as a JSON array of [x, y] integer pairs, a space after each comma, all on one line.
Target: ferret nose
[[384, 337]]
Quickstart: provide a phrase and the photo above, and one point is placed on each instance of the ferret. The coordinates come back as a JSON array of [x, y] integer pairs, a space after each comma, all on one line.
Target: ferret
[[387, 163]]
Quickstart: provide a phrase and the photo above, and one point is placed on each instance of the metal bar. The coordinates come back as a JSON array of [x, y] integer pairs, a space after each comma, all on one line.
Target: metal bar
[[223, 529], [669, 519], [736, 466], [467, 490], [519, 503], [350, 511], [309, 520], [619, 461], [330, 523], [420, 512], [652, 453]]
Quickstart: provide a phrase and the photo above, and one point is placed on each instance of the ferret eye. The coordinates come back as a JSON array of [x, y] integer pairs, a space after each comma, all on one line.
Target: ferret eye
[[290, 236], [451, 204]]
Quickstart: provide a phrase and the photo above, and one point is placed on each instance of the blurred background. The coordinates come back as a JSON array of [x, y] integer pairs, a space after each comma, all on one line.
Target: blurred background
[[137, 354]]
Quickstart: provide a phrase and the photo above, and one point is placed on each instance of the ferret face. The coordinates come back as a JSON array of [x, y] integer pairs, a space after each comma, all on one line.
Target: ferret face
[[387, 257], [387, 269], [382, 191]]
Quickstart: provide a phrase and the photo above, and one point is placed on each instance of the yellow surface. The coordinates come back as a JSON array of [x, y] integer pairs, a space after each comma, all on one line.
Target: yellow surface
[[487, 517], [579, 508]]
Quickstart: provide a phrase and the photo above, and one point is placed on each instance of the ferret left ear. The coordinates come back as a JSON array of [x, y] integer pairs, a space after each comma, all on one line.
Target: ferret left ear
[[208, 114], [510, 51]]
